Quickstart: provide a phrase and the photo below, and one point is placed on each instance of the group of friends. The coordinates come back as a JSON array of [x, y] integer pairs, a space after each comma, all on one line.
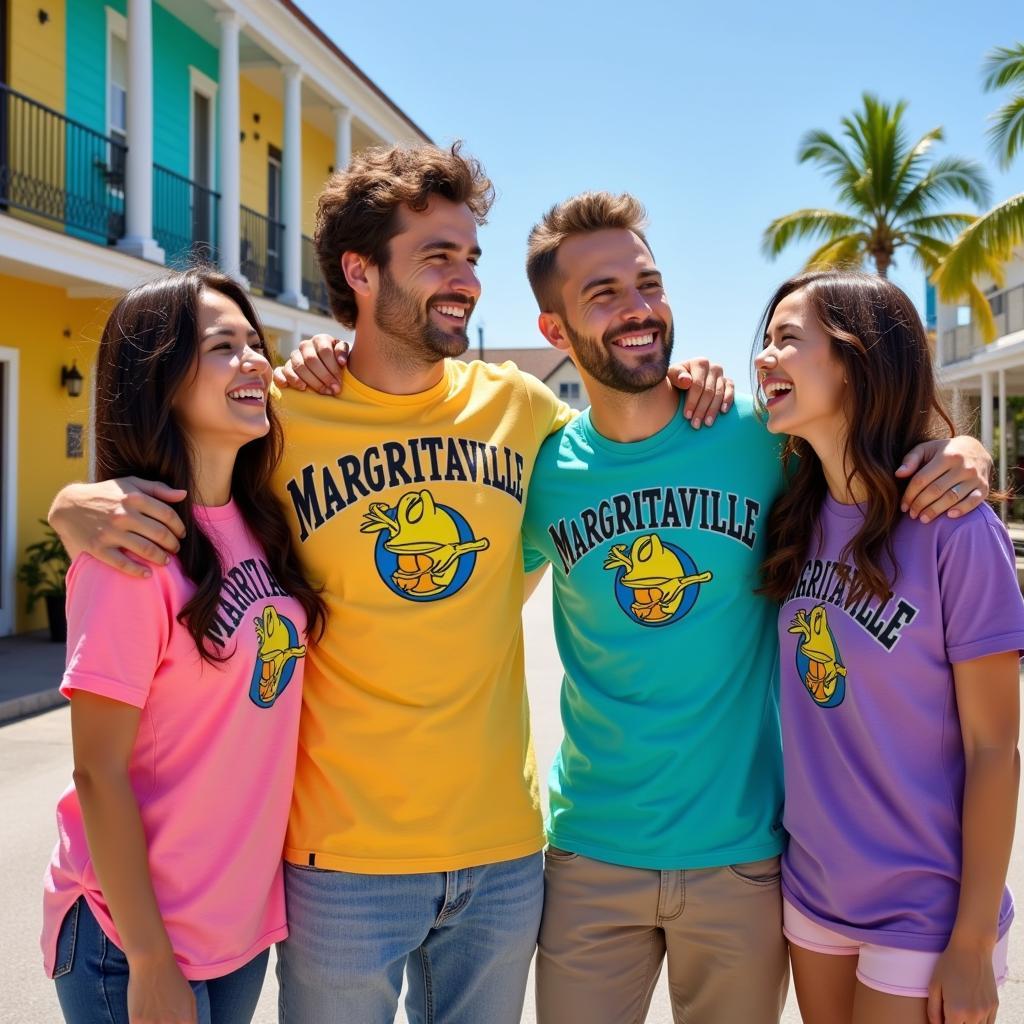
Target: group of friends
[[790, 645]]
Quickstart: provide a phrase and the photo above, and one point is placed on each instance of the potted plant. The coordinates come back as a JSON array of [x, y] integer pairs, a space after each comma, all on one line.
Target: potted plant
[[43, 571]]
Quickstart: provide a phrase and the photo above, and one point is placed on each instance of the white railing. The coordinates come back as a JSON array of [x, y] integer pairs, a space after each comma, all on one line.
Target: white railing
[[963, 341]]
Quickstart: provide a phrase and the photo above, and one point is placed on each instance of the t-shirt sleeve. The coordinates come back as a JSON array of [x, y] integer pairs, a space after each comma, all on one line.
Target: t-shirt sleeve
[[549, 413], [118, 630], [533, 557], [982, 607]]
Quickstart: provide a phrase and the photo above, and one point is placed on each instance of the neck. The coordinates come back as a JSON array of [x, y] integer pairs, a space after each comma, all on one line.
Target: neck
[[213, 467], [829, 444], [625, 417], [382, 363]]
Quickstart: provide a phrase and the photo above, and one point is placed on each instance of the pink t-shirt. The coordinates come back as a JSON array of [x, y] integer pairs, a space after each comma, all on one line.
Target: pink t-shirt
[[214, 759]]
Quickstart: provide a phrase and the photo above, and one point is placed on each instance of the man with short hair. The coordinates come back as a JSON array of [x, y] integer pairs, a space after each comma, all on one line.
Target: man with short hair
[[415, 834], [665, 826]]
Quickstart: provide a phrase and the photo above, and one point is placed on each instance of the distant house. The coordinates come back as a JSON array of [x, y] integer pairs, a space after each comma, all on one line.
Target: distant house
[[548, 364]]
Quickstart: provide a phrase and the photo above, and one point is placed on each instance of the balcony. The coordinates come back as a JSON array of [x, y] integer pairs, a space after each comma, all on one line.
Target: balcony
[[963, 341], [59, 173], [67, 177]]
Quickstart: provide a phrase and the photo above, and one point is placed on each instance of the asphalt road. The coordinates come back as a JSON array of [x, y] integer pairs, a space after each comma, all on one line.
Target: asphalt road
[[35, 765]]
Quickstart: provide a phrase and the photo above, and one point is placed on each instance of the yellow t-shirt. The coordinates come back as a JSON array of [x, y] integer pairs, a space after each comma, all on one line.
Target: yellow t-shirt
[[414, 743]]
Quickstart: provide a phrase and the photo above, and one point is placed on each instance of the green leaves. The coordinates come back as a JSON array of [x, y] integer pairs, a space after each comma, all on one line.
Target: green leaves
[[45, 566], [890, 192]]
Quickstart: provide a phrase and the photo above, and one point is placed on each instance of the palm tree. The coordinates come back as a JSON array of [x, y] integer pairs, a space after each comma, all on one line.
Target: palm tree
[[989, 241], [890, 191]]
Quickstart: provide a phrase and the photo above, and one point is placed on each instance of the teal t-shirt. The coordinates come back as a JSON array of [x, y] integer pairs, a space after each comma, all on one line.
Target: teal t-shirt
[[671, 756]]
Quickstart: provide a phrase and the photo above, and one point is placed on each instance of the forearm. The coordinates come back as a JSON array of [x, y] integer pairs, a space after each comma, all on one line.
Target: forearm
[[989, 814], [57, 517], [117, 847]]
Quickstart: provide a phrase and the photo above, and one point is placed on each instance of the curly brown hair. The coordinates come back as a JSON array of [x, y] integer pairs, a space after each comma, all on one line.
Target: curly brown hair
[[357, 210], [578, 215], [893, 404]]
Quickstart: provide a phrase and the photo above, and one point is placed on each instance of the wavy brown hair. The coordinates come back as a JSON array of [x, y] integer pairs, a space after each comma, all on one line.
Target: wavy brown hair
[[148, 352], [892, 404], [357, 210]]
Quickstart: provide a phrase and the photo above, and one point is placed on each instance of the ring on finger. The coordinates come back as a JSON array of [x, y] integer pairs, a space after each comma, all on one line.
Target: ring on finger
[[956, 490]]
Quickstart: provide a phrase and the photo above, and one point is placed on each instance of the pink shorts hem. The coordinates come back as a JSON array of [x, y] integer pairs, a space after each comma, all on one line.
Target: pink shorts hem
[[882, 968]]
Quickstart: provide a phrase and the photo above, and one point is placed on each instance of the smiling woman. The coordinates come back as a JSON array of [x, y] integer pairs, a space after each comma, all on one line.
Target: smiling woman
[[205, 652]]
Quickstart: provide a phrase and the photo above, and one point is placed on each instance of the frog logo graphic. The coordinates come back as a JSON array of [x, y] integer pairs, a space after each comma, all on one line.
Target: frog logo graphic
[[425, 551], [656, 583], [818, 659], [275, 660]]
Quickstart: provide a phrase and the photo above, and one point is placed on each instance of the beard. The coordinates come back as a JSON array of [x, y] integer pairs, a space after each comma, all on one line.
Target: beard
[[599, 360], [399, 315]]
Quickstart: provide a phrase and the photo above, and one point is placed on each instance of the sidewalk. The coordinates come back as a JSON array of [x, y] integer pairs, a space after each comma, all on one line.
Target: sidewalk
[[30, 669]]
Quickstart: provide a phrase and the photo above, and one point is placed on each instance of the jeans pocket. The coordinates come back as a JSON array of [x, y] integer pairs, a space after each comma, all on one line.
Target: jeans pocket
[[555, 853], [66, 938], [759, 872]]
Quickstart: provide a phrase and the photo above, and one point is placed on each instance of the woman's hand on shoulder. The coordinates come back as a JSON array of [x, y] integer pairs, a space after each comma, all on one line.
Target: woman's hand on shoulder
[[949, 475], [316, 365]]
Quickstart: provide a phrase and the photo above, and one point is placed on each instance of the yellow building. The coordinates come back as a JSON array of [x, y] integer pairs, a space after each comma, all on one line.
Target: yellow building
[[135, 136]]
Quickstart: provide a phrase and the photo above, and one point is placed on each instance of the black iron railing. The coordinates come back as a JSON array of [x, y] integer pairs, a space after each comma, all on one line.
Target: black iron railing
[[59, 170], [261, 242], [313, 286], [184, 219]]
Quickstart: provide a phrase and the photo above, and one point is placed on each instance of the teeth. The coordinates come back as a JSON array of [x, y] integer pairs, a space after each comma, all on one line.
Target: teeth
[[636, 342], [247, 393], [776, 387], [452, 311]]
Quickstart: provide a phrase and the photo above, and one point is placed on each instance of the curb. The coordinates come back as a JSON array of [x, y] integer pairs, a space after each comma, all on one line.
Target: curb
[[29, 704]]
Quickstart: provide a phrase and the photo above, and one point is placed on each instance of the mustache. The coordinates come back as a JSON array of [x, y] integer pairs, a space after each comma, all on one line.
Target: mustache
[[651, 324]]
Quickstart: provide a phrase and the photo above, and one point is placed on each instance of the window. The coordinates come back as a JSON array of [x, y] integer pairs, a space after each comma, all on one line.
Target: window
[[117, 96], [568, 390]]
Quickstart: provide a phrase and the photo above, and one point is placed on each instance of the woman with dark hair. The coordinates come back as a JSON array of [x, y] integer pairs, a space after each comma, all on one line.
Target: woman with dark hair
[[899, 647], [165, 892]]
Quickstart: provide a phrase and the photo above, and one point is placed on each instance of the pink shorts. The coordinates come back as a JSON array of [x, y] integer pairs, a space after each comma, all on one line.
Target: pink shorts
[[899, 972]]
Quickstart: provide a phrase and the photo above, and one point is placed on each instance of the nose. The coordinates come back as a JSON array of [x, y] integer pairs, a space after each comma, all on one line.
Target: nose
[[766, 359], [637, 306], [464, 279], [254, 360]]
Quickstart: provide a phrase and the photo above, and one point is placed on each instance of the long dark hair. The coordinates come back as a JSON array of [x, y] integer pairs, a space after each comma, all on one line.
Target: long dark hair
[[148, 352], [892, 404]]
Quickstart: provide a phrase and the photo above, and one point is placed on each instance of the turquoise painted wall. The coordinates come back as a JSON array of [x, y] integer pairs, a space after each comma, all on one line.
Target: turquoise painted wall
[[176, 48]]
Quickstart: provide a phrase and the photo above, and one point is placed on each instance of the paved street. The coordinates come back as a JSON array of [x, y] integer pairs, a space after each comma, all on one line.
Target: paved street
[[35, 765]]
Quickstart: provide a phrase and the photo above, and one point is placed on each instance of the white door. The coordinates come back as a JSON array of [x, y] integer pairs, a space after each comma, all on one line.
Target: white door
[[8, 485]]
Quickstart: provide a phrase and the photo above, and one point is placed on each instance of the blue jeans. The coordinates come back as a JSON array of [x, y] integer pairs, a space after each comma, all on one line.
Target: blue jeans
[[92, 978], [464, 938]]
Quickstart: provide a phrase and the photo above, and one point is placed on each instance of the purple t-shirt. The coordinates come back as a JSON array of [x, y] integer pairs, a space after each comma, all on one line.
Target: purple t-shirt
[[872, 748]]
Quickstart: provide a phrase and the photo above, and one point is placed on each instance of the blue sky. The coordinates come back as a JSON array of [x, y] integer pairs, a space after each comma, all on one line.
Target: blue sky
[[695, 108]]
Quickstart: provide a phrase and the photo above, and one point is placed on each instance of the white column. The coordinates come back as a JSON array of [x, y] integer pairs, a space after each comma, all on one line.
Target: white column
[[342, 137], [230, 158], [1003, 508], [986, 409], [291, 188], [138, 212]]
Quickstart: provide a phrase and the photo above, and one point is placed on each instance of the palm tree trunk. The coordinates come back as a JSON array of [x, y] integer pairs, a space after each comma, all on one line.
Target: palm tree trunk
[[882, 260]]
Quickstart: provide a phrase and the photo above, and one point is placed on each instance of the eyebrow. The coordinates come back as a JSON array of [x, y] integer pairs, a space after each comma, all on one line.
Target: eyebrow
[[789, 326], [213, 332], [600, 282], [444, 246]]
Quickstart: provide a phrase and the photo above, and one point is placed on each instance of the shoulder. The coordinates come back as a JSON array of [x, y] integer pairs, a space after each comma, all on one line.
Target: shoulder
[[91, 576], [979, 529]]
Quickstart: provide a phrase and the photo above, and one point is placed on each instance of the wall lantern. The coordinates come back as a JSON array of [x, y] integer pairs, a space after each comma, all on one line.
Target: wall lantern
[[42, 16], [71, 380]]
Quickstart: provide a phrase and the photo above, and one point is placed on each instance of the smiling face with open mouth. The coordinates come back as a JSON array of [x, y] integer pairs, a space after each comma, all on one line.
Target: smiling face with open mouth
[[617, 316], [225, 402], [799, 374], [428, 288]]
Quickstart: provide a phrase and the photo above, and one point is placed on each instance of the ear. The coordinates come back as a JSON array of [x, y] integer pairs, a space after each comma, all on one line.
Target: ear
[[553, 328], [358, 272]]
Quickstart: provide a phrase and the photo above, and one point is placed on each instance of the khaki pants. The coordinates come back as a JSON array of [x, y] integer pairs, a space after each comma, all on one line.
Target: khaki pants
[[607, 928]]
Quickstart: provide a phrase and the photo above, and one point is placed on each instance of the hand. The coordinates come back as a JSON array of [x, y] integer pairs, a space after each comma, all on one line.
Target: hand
[[709, 391], [115, 519], [963, 987], [950, 476], [317, 363], [159, 994]]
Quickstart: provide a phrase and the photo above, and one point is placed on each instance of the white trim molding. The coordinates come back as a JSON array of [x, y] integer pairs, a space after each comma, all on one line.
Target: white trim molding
[[9, 490]]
